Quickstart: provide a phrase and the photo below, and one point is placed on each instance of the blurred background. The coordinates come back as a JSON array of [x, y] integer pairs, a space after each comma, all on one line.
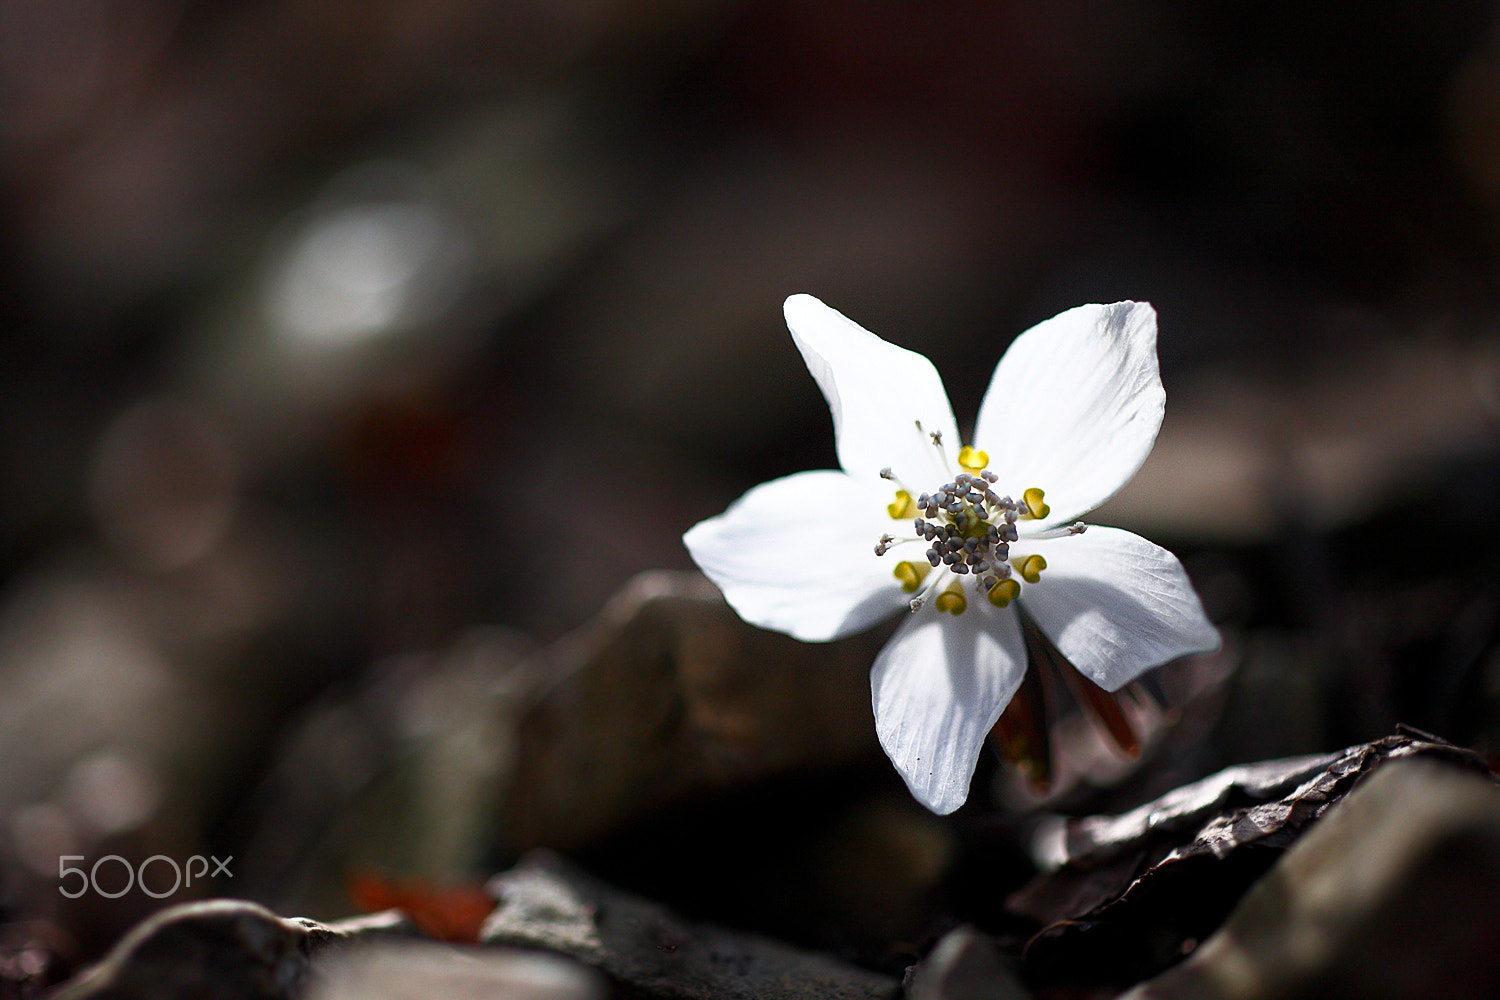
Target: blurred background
[[344, 339]]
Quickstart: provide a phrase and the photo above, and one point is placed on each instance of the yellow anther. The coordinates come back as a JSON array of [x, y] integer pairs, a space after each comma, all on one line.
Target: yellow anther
[[904, 506], [1034, 506], [1004, 592], [972, 460], [911, 574], [951, 600], [1030, 567]]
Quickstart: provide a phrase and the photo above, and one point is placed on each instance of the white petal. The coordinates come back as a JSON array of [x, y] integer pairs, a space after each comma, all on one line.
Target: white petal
[[1074, 406], [938, 688], [1116, 605], [797, 555], [877, 392]]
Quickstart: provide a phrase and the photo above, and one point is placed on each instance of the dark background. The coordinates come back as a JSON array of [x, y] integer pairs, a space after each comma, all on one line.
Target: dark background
[[334, 331]]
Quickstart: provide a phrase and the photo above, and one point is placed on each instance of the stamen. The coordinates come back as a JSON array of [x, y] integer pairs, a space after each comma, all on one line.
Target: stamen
[[890, 476], [937, 442], [934, 580], [968, 528], [1030, 567], [1076, 528], [1002, 593], [904, 506], [972, 460], [952, 601], [911, 575], [1034, 506]]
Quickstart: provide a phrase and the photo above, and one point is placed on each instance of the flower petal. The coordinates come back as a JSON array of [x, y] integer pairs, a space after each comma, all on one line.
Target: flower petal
[[938, 688], [1074, 406], [1116, 605], [878, 392], [797, 555]]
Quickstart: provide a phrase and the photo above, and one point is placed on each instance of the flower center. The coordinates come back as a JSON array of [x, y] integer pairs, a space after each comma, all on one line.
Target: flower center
[[968, 529]]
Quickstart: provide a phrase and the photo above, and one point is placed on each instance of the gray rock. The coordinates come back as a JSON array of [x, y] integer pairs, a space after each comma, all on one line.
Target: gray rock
[[214, 949], [1393, 894], [667, 694], [964, 965], [650, 952], [219, 949], [422, 971], [493, 748], [365, 927]]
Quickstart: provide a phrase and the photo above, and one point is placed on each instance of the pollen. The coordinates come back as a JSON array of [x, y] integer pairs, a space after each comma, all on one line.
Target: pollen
[[911, 575], [1030, 567], [951, 600], [903, 508], [973, 460], [1035, 508], [964, 530], [1002, 593]]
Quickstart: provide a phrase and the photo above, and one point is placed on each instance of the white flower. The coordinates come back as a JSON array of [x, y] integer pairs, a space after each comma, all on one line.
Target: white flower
[[916, 523]]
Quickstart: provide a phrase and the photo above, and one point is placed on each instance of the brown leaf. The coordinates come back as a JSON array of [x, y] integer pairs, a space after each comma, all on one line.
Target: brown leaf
[[1134, 890]]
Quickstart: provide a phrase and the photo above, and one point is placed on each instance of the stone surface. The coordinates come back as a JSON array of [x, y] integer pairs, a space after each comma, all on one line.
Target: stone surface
[[667, 694], [964, 965], [1393, 895], [490, 748], [220, 949], [423, 971], [664, 725], [648, 951]]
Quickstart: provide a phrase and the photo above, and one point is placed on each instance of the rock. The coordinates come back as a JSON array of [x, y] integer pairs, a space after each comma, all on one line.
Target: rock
[[668, 694], [420, 971], [669, 746], [682, 754], [1137, 890], [493, 747], [220, 949], [649, 952], [1393, 895], [365, 927], [964, 965]]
